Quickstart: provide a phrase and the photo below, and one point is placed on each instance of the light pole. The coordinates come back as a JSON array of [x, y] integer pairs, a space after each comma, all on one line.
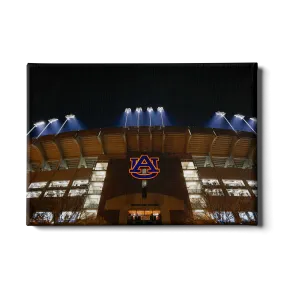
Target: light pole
[[242, 118], [36, 125], [50, 121], [68, 117], [127, 111], [149, 109], [138, 110], [160, 110], [223, 114]]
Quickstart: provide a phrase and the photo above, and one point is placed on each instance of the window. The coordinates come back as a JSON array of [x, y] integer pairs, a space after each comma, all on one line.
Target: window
[[101, 166], [63, 183], [68, 217], [187, 165], [33, 194], [92, 201], [38, 185], [42, 218], [202, 215], [210, 182], [233, 183], [88, 214], [197, 201], [252, 183], [77, 192], [95, 188], [238, 192], [194, 186], [78, 183], [190, 174], [224, 217], [98, 176], [54, 193], [214, 192], [254, 192], [246, 216]]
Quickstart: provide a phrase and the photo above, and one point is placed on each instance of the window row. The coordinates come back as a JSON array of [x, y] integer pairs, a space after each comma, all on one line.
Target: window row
[[65, 217], [59, 183], [224, 216], [60, 193]]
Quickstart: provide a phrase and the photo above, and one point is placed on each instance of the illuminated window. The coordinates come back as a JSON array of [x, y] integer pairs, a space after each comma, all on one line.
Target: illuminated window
[[63, 183], [246, 216], [54, 193], [254, 192], [197, 201], [33, 194], [42, 218], [68, 217], [252, 183], [101, 166], [92, 201], [224, 217], [78, 183], [193, 186], [233, 183], [238, 192], [98, 176], [38, 185], [210, 182], [77, 192], [88, 214], [214, 192], [190, 174], [188, 165], [95, 188], [202, 215]]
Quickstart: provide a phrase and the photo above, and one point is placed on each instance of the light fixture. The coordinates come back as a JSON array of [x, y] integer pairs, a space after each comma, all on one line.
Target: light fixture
[[138, 109], [39, 123], [70, 116], [253, 119], [219, 113], [149, 109], [53, 120], [128, 110], [239, 116], [160, 109]]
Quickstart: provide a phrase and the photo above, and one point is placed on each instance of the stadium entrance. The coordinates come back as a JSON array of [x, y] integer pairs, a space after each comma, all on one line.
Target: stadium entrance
[[144, 217]]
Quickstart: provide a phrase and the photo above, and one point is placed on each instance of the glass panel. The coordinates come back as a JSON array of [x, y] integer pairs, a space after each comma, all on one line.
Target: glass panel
[[63, 183], [190, 174], [252, 183], [77, 192], [101, 166], [33, 194], [88, 214], [92, 201], [68, 217], [254, 192], [214, 192], [233, 183], [77, 183], [37, 185], [54, 193], [188, 165], [42, 217], [238, 192], [210, 182], [202, 215], [197, 201], [224, 217]]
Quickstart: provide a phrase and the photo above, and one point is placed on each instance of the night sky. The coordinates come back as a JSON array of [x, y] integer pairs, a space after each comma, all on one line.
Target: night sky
[[99, 94]]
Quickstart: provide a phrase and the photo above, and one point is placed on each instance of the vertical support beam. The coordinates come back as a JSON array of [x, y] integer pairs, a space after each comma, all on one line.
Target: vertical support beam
[[138, 141], [125, 141], [82, 161], [99, 137], [188, 138], [45, 164], [150, 139]]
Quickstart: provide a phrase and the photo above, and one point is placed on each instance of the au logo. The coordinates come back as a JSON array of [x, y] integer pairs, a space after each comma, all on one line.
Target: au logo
[[144, 162]]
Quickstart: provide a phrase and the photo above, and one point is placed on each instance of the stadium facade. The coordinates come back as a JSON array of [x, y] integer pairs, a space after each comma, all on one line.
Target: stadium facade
[[200, 176]]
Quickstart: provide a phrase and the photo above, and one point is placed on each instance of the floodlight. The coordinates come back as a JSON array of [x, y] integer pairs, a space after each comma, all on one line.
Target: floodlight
[[39, 123], [52, 120], [219, 113], [139, 109], [253, 119], [239, 116], [70, 116], [128, 110], [149, 109], [160, 109]]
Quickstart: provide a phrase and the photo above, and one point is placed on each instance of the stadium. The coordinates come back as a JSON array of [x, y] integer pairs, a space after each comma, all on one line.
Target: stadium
[[142, 175]]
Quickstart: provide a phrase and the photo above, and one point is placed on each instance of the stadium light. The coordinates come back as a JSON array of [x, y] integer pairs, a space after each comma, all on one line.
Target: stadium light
[[70, 116], [253, 119], [149, 109], [50, 121], [160, 110], [36, 125], [223, 115], [219, 113], [127, 111], [138, 110], [239, 116], [242, 118]]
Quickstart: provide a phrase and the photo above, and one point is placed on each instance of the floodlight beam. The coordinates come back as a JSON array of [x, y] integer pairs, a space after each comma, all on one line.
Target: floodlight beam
[[229, 123], [249, 126], [61, 127], [43, 129]]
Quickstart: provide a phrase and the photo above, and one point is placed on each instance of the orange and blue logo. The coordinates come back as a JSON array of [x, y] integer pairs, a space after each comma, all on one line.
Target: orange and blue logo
[[144, 162]]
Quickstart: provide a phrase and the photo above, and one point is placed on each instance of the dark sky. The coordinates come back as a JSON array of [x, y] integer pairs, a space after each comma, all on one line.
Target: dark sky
[[99, 94]]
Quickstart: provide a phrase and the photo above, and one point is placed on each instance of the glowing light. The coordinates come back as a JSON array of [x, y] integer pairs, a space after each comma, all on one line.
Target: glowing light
[[70, 116], [52, 120], [219, 113], [128, 110], [160, 109], [253, 119], [239, 116], [139, 109], [149, 109], [36, 125]]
